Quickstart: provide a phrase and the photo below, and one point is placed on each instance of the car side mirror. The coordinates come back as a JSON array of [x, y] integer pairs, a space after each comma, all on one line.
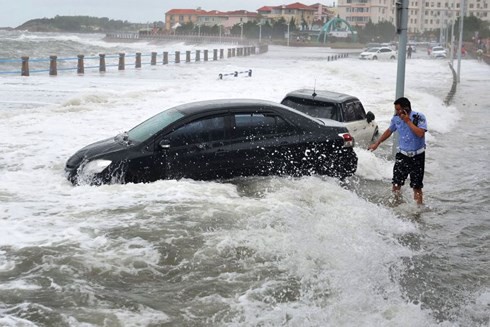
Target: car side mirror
[[164, 144], [369, 116]]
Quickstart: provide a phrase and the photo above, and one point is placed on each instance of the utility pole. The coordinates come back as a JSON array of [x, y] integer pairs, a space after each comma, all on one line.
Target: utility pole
[[260, 32], [453, 21], [288, 31], [401, 29], [461, 19]]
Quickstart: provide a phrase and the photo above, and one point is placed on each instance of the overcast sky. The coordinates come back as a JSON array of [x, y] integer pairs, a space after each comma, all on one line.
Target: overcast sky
[[15, 12]]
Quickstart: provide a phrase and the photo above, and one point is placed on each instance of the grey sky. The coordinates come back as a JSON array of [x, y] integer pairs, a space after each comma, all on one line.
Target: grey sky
[[15, 12]]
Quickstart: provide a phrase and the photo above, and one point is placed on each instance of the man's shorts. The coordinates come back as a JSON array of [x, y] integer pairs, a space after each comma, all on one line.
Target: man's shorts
[[413, 166]]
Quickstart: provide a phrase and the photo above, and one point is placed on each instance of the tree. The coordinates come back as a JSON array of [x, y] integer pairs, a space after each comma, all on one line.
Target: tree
[[386, 31], [471, 25]]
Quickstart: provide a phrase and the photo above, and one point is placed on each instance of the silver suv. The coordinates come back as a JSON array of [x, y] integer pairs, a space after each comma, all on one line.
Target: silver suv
[[343, 108]]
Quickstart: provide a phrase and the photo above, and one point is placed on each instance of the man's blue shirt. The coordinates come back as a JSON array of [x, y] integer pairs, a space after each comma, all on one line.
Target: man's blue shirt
[[407, 140]]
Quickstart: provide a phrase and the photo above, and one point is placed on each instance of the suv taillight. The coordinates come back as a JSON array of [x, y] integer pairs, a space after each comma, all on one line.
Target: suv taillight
[[348, 140]]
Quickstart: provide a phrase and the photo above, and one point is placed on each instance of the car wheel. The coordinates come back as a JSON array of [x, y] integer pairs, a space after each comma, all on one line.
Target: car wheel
[[392, 57], [375, 58]]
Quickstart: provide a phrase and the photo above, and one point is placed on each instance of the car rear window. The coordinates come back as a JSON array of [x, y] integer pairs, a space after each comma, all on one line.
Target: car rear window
[[313, 108], [258, 124]]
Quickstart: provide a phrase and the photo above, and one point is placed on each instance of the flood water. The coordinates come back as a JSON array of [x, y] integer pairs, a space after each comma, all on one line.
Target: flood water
[[260, 251]]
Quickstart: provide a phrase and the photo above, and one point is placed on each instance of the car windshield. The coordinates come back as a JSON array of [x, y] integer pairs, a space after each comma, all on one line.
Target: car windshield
[[154, 124], [372, 49], [437, 49], [313, 108]]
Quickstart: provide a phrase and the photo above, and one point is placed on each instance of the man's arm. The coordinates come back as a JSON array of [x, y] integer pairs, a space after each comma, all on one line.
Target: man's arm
[[381, 139]]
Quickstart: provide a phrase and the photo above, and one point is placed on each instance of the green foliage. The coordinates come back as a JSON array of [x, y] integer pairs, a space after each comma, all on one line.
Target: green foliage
[[277, 30], [471, 25], [82, 24], [380, 32]]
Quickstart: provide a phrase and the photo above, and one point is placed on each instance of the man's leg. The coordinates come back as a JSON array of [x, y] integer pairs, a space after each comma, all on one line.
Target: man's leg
[[418, 195], [397, 194], [400, 173], [417, 177]]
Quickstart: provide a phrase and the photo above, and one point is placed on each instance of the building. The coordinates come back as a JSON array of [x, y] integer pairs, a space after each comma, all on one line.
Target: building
[[304, 16], [423, 15], [323, 13], [176, 17], [199, 17]]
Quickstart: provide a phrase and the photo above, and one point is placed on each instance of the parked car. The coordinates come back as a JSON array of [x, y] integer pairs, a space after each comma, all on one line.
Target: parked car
[[344, 108], [438, 52], [372, 45], [218, 139], [378, 53], [432, 45]]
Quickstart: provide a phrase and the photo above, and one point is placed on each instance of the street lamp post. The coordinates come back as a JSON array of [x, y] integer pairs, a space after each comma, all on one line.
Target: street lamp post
[[260, 32], [241, 31], [288, 34], [199, 30], [453, 21], [219, 32], [461, 19]]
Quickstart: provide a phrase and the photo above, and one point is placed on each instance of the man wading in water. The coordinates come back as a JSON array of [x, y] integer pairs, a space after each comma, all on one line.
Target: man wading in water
[[410, 159]]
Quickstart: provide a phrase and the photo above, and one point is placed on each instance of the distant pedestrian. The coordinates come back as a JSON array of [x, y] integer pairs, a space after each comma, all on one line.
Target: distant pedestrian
[[409, 52], [410, 159], [479, 54]]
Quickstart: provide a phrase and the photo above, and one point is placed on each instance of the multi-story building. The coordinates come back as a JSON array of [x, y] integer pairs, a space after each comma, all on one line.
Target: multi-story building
[[423, 15], [323, 13], [207, 18], [428, 15], [303, 15], [176, 17]]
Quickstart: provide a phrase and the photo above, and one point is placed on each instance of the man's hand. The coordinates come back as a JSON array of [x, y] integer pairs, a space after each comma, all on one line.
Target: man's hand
[[381, 139], [373, 146], [404, 116]]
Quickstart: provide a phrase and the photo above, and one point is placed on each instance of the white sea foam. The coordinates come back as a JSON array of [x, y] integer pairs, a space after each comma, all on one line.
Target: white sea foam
[[305, 250]]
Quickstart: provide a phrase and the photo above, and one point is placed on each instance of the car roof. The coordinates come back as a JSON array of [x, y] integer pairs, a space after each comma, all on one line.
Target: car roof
[[321, 95], [199, 106]]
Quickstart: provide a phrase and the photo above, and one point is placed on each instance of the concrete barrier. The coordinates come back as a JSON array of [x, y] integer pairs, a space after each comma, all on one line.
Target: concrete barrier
[[100, 61], [80, 65], [452, 91], [102, 66], [53, 68]]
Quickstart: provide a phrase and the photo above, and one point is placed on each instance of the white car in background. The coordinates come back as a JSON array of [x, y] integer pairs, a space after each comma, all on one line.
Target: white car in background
[[343, 108], [438, 52], [378, 53]]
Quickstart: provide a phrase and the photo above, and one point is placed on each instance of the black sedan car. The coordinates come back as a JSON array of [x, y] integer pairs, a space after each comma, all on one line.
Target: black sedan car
[[217, 139]]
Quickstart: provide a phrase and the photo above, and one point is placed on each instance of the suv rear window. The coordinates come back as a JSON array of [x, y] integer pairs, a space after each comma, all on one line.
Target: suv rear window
[[318, 109], [354, 111]]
